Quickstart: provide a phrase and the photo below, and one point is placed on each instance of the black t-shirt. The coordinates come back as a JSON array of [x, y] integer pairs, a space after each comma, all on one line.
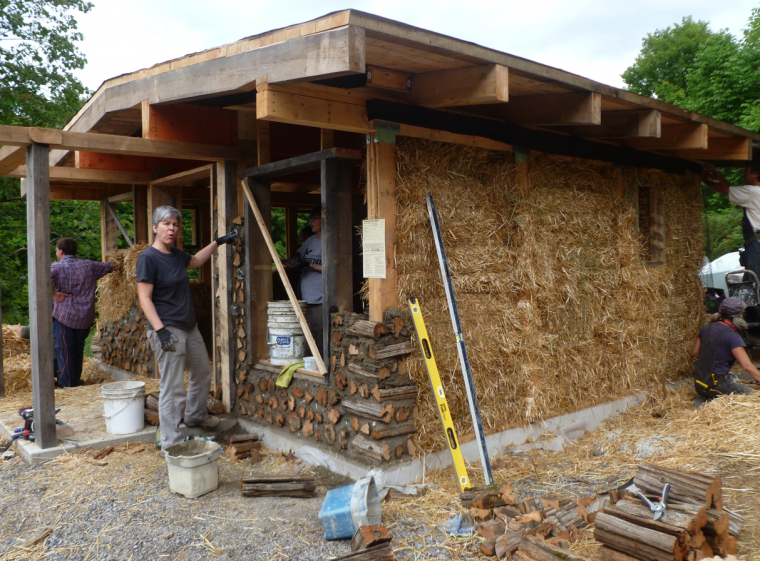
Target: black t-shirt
[[724, 357], [171, 286]]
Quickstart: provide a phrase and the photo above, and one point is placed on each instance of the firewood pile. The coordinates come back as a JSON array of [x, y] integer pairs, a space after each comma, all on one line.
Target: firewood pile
[[214, 407], [695, 526], [244, 446], [281, 485], [370, 543]]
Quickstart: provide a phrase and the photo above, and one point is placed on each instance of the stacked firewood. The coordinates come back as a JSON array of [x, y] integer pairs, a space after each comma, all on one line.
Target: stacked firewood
[[695, 525], [370, 543], [281, 485], [504, 523], [125, 345], [214, 407], [244, 446]]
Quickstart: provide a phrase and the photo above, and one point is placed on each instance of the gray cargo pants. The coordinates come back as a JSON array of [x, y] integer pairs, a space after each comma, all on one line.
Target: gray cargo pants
[[190, 354]]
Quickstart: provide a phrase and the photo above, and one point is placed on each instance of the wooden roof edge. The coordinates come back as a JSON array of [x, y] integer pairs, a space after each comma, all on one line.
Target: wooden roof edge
[[426, 39]]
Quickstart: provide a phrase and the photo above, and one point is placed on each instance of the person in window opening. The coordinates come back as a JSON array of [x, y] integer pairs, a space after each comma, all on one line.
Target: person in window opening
[[309, 256], [74, 283], [163, 291], [718, 346]]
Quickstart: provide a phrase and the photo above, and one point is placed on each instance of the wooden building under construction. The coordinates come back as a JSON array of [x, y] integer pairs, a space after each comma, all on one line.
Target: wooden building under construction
[[571, 211]]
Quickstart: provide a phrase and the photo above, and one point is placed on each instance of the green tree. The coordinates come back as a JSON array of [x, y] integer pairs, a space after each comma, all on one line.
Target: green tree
[[38, 54]]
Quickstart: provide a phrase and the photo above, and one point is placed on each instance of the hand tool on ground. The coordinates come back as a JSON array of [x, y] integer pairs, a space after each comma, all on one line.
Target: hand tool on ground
[[659, 508], [463, 360], [440, 396]]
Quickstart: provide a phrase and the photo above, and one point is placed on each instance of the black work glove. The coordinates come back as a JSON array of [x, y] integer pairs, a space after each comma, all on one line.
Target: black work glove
[[166, 340], [226, 238], [295, 261]]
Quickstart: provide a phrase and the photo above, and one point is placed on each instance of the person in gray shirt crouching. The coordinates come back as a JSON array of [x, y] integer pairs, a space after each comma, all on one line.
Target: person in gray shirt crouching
[[163, 291]]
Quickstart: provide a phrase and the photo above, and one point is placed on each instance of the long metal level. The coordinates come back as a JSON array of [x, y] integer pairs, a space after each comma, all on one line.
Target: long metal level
[[457, 325], [440, 396]]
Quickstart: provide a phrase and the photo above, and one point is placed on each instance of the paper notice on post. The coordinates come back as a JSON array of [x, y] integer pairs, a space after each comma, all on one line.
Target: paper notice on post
[[373, 246]]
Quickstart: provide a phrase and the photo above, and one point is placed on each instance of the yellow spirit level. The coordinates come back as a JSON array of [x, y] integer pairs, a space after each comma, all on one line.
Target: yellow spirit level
[[440, 397]]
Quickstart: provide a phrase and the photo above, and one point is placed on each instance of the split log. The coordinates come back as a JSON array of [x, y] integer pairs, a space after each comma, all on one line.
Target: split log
[[136, 449], [526, 506], [382, 552], [647, 521], [363, 328], [639, 542], [506, 512], [151, 401], [717, 523], [572, 514], [263, 485], [492, 529], [735, 522], [396, 430], [240, 447], [724, 547], [508, 543], [675, 519], [241, 438], [370, 536], [358, 369], [151, 417], [371, 410], [376, 450], [488, 547], [396, 349], [395, 394], [102, 453], [685, 486], [536, 549]]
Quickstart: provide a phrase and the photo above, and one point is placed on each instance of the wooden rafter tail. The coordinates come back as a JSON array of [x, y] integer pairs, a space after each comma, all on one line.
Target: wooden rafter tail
[[291, 295]]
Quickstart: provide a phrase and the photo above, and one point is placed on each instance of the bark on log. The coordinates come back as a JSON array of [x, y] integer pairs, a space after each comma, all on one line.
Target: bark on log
[[395, 394], [395, 430], [508, 543], [678, 520], [681, 535], [397, 349], [371, 410], [538, 549], [717, 523], [735, 522], [685, 486], [642, 543], [377, 450], [370, 536], [363, 328], [262, 485]]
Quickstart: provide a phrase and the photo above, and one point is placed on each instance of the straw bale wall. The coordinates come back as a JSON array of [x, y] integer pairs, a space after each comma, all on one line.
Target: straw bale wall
[[558, 307]]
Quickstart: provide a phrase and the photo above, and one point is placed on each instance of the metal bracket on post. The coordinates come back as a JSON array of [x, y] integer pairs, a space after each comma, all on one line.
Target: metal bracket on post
[[385, 132], [521, 154]]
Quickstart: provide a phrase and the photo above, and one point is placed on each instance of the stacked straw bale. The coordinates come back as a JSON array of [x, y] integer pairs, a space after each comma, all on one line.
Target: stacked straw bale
[[557, 306], [117, 292], [17, 362]]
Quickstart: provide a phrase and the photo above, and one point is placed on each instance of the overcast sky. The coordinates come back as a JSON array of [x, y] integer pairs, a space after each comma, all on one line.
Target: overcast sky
[[597, 39]]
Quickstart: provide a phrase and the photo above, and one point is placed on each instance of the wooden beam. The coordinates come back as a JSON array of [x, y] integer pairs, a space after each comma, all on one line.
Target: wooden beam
[[185, 122], [259, 262], [299, 163], [109, 233], [719, 148], [140, 217], [125, 197], [76, 192], [688, 136], [10, 158], [185, 177], [299, 200], [637, 123], [247, 135], [470, 85], [107, 204], [547, 110], [326, 139], [40, 288], [387, 79], [381, 203], [112, 144], [226, 182], [337, 267], [205, 239], [443, 136], [300, 106], [76, 175]]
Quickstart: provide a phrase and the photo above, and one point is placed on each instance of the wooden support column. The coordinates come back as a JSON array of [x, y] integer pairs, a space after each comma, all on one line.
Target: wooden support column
[[381, 203], [40, 289], [140, 213], [326, 139], [259, 268], [226, 182], [205, 239], [109, 231], [247, 132], [337, 285]]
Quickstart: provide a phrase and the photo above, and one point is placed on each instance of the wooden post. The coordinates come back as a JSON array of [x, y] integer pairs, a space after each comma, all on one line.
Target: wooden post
[[40, 289], [381, 203], [226, 183], [337, 285], [109, 232], [327, 139], [140, 213], [259, 270], [205, 239]]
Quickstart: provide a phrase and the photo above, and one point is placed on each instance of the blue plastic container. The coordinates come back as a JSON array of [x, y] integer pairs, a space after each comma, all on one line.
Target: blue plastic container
[[347, 508]]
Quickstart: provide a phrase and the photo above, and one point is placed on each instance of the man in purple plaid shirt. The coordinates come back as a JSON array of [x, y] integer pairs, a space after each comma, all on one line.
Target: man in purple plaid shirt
[[74, 283]]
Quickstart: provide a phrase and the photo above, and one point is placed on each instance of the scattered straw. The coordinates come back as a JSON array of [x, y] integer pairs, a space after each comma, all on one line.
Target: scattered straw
[[117, 292], [556, 304]]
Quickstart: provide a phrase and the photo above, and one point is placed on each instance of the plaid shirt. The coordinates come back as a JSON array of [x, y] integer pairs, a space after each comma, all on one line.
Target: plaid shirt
[[77, 278]]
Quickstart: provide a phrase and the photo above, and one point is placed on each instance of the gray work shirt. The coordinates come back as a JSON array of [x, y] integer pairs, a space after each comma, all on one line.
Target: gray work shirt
[[311, 279], [167, 272]]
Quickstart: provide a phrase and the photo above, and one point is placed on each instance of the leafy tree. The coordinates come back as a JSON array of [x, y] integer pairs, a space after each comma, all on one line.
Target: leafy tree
[[38, 54]]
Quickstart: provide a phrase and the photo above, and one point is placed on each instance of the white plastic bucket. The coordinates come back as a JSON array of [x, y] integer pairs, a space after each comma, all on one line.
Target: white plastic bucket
[[124, 407], [286, 339], [193, 467]]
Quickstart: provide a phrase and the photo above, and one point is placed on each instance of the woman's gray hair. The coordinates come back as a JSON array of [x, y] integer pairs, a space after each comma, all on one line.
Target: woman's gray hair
[[164, 212], [738, 321]]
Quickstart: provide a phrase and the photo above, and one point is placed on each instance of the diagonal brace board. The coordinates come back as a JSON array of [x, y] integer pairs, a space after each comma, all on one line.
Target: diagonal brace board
[[449, 431], [461, 349], [284, 277]]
